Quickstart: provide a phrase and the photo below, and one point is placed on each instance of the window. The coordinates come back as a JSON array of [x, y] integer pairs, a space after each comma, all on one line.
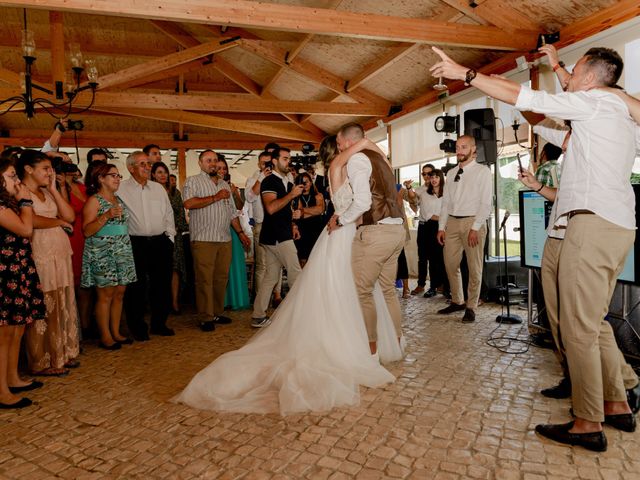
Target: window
[[632, 66]]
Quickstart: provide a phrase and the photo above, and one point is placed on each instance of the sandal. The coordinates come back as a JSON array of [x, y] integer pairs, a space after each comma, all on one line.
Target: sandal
[[51, 372]]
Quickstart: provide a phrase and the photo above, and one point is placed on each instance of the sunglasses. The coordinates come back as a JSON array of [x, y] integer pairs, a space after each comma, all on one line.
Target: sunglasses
[[457, 177], [114, 175]]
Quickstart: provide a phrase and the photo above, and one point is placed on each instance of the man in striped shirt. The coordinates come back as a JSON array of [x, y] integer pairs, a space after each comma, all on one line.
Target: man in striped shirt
[[211, 211]]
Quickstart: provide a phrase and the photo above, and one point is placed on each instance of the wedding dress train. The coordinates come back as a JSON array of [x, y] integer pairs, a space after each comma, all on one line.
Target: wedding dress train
[[315, 354]]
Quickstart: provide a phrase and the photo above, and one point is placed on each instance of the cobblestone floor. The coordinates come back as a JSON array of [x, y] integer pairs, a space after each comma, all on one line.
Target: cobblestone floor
[[459, 409]]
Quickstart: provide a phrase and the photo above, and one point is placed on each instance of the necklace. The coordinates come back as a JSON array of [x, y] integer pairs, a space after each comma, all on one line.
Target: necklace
[[307, 200]]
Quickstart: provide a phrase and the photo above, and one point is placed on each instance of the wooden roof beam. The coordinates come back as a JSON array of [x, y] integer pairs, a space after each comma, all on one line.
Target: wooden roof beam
[[163, 63], [293, 18], [209, 121], [56, 34]]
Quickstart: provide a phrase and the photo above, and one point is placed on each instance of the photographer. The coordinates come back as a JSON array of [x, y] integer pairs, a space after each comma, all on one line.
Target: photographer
[[278, 232], [252, 192]]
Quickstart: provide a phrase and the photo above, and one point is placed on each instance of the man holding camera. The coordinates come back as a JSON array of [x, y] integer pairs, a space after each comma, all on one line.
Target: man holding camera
[[278, 232], [211, 212], [252, 189]]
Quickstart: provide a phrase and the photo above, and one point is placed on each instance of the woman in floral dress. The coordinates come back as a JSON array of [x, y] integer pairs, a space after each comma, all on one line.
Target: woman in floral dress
[[21, 297]]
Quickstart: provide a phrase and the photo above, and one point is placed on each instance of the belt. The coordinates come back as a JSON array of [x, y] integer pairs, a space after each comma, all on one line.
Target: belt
[[573, 213], [462, 216], [113, 231], [149, 237]]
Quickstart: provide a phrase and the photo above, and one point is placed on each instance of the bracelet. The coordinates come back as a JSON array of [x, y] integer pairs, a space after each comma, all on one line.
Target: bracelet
[[541, 187], [25, 202]]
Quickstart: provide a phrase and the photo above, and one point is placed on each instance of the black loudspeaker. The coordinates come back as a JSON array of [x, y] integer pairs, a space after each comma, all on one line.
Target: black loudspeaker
[[480, 123]]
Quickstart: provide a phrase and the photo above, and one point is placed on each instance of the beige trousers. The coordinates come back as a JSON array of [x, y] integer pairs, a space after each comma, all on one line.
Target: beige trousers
[[549, 274], [455, 243], [260, 259], [283, 254], [592, 256], [211, 261], [374, 257]]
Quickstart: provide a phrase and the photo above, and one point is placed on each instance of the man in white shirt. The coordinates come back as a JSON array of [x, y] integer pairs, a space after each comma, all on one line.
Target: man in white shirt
[[466, 206], [211, 211], [596, 207], [252, 193], [152, 231], [420, 198]]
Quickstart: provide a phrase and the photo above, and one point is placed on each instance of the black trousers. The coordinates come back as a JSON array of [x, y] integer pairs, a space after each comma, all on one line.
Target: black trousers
[[437, 272], [423, 258], [153, 257]]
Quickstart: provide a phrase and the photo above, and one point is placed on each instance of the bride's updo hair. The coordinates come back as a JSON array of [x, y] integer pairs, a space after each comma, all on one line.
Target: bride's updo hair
[[327, 151]]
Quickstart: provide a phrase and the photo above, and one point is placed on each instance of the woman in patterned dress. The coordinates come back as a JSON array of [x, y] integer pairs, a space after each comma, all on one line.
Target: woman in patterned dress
[[52, 344], [21, 297], [107, 261]]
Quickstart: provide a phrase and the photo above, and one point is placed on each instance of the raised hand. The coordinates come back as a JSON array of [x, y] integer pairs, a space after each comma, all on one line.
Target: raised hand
[[447, 68], [551, 52], [23, 192]]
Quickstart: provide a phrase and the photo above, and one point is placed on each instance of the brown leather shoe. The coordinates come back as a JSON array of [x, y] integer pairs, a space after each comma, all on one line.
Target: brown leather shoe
[[418, 290], [469, 316]]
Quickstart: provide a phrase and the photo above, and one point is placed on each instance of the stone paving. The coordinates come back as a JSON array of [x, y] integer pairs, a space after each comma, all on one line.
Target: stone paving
[[459, 409]]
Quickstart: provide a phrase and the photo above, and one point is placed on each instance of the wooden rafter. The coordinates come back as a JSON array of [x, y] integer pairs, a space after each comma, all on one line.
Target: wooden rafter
[[290, 132], [392, 56], [504, 16], [270, 16], [163, 63], [57, 47]]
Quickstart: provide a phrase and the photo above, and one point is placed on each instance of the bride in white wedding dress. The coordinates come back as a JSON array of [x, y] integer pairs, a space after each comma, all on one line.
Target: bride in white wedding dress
[[315, 354]]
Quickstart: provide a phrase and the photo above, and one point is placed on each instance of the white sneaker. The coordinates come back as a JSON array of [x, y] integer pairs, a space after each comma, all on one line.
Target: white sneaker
[[260, 322]]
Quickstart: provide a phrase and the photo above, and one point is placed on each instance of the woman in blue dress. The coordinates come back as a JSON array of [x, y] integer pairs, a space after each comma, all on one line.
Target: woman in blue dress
[[107, 261]]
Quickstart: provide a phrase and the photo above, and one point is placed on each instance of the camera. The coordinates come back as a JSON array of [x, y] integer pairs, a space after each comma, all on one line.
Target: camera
[[301, 162], [61, 167], [448, 145], [75, 125]]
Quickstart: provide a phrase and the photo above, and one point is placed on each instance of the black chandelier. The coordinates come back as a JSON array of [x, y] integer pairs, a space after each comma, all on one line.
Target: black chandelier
[[65, 93]]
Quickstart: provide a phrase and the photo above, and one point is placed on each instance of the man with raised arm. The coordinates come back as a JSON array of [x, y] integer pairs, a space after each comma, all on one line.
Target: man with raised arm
[[596, 208]]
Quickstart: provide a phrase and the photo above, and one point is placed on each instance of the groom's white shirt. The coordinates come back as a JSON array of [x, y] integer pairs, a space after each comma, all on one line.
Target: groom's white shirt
[[358, 175]]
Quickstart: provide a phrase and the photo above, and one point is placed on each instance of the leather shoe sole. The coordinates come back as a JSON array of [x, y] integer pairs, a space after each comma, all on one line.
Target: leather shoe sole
[[454, 307], [594, 441]]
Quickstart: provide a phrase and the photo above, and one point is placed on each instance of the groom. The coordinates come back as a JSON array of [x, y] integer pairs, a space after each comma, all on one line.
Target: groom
[[380, 236]]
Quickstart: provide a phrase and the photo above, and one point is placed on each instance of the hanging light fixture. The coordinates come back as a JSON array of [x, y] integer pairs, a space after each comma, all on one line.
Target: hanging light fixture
[[65, 95]]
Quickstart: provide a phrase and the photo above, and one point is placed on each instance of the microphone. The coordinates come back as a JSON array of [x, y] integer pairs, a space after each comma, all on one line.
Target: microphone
[[507, 214]]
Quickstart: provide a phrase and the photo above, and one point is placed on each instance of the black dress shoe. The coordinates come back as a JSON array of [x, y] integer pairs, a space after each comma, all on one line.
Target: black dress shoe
[[126, 341], [469, 316], [141, 337], [163, 331], [633, 398], [454, 307], [209, 326], [430, 293], [27, 388], [595, 441], [623, 421], [562, 390], [23, 402], [222, 320], [113, 346]]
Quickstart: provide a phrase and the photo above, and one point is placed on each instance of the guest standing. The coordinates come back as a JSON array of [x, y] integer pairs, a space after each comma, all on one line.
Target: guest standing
[[310, 225], [107, 263], [21, 297], [152, 230], [52, 344], [160, 174]]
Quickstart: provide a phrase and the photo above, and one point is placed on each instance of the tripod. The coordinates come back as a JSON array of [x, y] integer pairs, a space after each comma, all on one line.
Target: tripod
[[508, 318]]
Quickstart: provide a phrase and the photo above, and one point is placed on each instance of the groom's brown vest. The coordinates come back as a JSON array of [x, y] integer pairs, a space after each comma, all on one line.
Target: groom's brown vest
[[383, 191]]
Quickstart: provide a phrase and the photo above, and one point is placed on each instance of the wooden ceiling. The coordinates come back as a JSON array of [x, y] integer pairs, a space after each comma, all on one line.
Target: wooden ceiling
[[235, 74]]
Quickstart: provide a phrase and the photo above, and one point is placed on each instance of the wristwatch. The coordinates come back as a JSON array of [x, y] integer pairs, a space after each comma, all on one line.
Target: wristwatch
[[338, 222], [470, 75]]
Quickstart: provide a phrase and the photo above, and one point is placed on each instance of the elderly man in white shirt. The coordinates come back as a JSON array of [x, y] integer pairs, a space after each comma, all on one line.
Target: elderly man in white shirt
[[466, 206], [596, 207], [152, 231]]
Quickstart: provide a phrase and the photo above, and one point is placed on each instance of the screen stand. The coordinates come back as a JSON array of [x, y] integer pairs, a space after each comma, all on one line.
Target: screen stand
[[508, 318]]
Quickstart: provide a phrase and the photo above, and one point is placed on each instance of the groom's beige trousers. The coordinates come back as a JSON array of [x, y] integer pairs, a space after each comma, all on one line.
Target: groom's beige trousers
[[375, 258]]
